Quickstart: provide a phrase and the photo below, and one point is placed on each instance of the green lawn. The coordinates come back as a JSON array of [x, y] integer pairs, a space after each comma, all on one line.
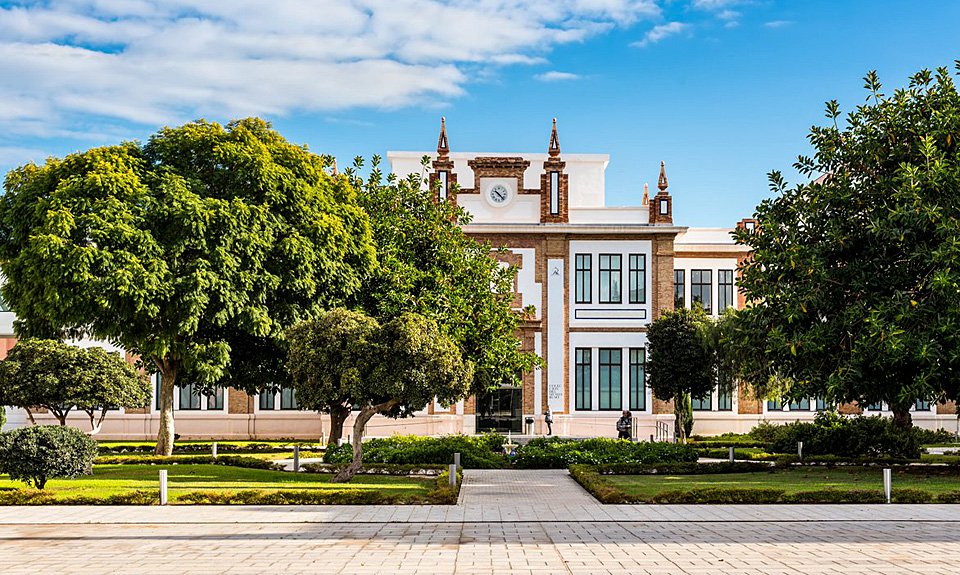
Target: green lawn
[[790, 480], [116, 479]]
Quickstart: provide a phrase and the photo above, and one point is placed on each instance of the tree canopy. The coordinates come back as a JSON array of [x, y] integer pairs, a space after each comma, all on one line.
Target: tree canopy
[[682, 361], [60, 377], [854, 281], [180, 249]]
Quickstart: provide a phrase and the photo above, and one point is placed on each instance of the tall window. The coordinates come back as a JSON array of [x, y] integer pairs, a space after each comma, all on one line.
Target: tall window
[[922, 405], [610, 383], [821, 404], [288, 398], [700, 284], [267, 400], [583, 376], [584, 277], [442, 177], [610, 272], [774, 405], [215, 400], [800, 405], [679, 288], [189, 399], [638, 380], [638, 278], [554, 193], [724, 289], [725, 399], [664, 207], [703, 403]]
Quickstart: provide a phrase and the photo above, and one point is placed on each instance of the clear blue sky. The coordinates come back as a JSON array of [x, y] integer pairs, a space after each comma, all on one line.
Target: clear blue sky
[[722, 90]]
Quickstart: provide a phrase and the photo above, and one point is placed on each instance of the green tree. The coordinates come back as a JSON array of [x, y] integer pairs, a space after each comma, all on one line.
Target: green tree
[[37, 453], [60, 377], [409, 363], [178, 249], [855, 274], [682, 363], [325, 358]]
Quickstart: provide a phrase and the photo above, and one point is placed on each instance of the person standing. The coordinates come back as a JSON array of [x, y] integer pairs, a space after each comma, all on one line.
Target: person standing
[[548, 419], [624, 425]]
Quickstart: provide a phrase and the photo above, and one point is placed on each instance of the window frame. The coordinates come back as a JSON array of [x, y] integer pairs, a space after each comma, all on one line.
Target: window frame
[[443, 176], [725, 296], [583, 379], [680, 286], [637, 278], [609, 274], [699, 287], [554, 193], [608, 387], [637, 371], [702, 403], [579, 273]]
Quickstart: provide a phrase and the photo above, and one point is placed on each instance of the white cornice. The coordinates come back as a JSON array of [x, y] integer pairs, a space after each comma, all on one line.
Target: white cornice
[[625, 229]]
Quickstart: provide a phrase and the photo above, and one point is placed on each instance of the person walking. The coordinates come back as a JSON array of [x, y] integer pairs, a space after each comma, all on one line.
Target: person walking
[[548, 419], [624, 425]]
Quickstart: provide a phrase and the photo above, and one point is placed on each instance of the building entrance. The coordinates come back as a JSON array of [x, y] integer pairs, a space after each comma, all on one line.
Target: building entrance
[[500, 410]]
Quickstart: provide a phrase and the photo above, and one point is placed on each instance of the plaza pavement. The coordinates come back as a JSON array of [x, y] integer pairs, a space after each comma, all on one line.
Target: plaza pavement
[[506, 522]]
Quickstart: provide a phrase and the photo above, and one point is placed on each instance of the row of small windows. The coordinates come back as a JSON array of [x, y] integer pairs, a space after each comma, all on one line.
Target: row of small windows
[[192, 398], [821, 405], [610, 275], [705, 402], [701, 289], [609, 379]]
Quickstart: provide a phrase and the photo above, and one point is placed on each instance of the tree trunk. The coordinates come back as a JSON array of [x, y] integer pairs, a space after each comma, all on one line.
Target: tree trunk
[[680, 414], [96, 426], [30, 415], [359, 425], [901, 418], [338, 415], [168, 380]]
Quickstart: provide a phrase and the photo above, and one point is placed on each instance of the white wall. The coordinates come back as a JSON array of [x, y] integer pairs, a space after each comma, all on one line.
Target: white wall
[[623, 314]]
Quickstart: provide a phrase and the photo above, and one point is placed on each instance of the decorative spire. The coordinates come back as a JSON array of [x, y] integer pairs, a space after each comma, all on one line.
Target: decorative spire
[[554, 149], [334, 173], [662, 181], [443, 147], [646, 195]]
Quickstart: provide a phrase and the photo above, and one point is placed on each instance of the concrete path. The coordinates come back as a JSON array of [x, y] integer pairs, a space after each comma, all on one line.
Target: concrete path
[[507, 522]]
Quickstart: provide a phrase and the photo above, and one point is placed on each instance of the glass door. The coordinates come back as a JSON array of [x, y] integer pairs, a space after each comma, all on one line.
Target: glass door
[[500, 410]]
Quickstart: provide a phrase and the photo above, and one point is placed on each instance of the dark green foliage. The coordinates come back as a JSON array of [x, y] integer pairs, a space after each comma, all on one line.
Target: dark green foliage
[[557, 453], [686, 468], [32, 497], [206, 446], [476, 452], [231, 460], [854, 277], [949, 497], [37, 453], [931, 437], [378, 469], [859, 436], [719, 496], [587, 476]]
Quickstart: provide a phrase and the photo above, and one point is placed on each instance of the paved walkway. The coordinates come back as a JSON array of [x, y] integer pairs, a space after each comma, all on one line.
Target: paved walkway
[[507, 522]]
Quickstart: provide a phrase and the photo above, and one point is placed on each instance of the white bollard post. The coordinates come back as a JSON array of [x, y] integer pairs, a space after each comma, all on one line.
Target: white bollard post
[[163, 487], [888, 483], [296, 458], [731, 454], [456, 460], [213, 449], [800, 450], [453, 475]]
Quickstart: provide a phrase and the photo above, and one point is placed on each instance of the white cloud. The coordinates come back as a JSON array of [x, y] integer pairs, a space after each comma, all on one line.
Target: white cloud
[[556, 76], [153, 61], [777, 23], [660, 32]]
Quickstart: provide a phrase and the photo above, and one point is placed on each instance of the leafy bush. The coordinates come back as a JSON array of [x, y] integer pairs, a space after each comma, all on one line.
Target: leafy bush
[[377, 469], [31, 497], [231, 460], [720, 495], [834, 434], [476, 452], [38, 453], [949, 497], [557, 453], [940, 436], [207, 446], [687, 468], [744, 453]]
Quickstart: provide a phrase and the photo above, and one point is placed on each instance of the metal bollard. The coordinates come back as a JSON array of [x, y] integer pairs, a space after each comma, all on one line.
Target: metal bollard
[[296, 458], [800, 450], [651, 438], [731, 454], [888, 483], [456, 460], [213, 450], [163, 487], [453, 475]]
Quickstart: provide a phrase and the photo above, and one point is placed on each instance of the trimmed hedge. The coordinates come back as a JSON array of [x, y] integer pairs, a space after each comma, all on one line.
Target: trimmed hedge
[[380, 469], [207, 446], [32, 497], [230, 460], [476, 452], [557, 453], [687, 468]]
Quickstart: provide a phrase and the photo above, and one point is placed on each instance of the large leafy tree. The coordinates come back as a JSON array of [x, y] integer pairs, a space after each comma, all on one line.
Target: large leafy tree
[[855, 275], [179, 249], [60, 377], [683, 361]]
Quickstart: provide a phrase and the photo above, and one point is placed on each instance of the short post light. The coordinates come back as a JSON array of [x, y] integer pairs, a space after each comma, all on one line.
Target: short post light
[[888, 484], [800, 450], [213, 449], [453, 475], [731, 454], [163, 487], [296, 458], [456, 460]]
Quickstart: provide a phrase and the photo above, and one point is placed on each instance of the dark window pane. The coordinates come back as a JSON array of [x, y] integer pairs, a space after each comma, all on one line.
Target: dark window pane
[[638, 380], [638, 278], [610, 271], [215, 400], [725, 289], [267, 400], [703, 403], [679, 289], [725, 400], [610, 381], [288, 398], [554, 193], [700, 289], [582, 391], [774, 405], [583, 278], [189, 400]]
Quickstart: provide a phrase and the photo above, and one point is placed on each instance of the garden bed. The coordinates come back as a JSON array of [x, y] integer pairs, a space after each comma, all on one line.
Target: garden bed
[[805, 484], [226, 484]]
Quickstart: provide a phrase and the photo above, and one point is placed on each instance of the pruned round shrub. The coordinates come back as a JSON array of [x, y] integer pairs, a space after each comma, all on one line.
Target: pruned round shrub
[[38, 453], [476, 452], [557, 453]]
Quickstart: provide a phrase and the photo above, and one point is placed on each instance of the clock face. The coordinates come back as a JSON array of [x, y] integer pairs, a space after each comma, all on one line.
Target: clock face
[[499, 194]]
